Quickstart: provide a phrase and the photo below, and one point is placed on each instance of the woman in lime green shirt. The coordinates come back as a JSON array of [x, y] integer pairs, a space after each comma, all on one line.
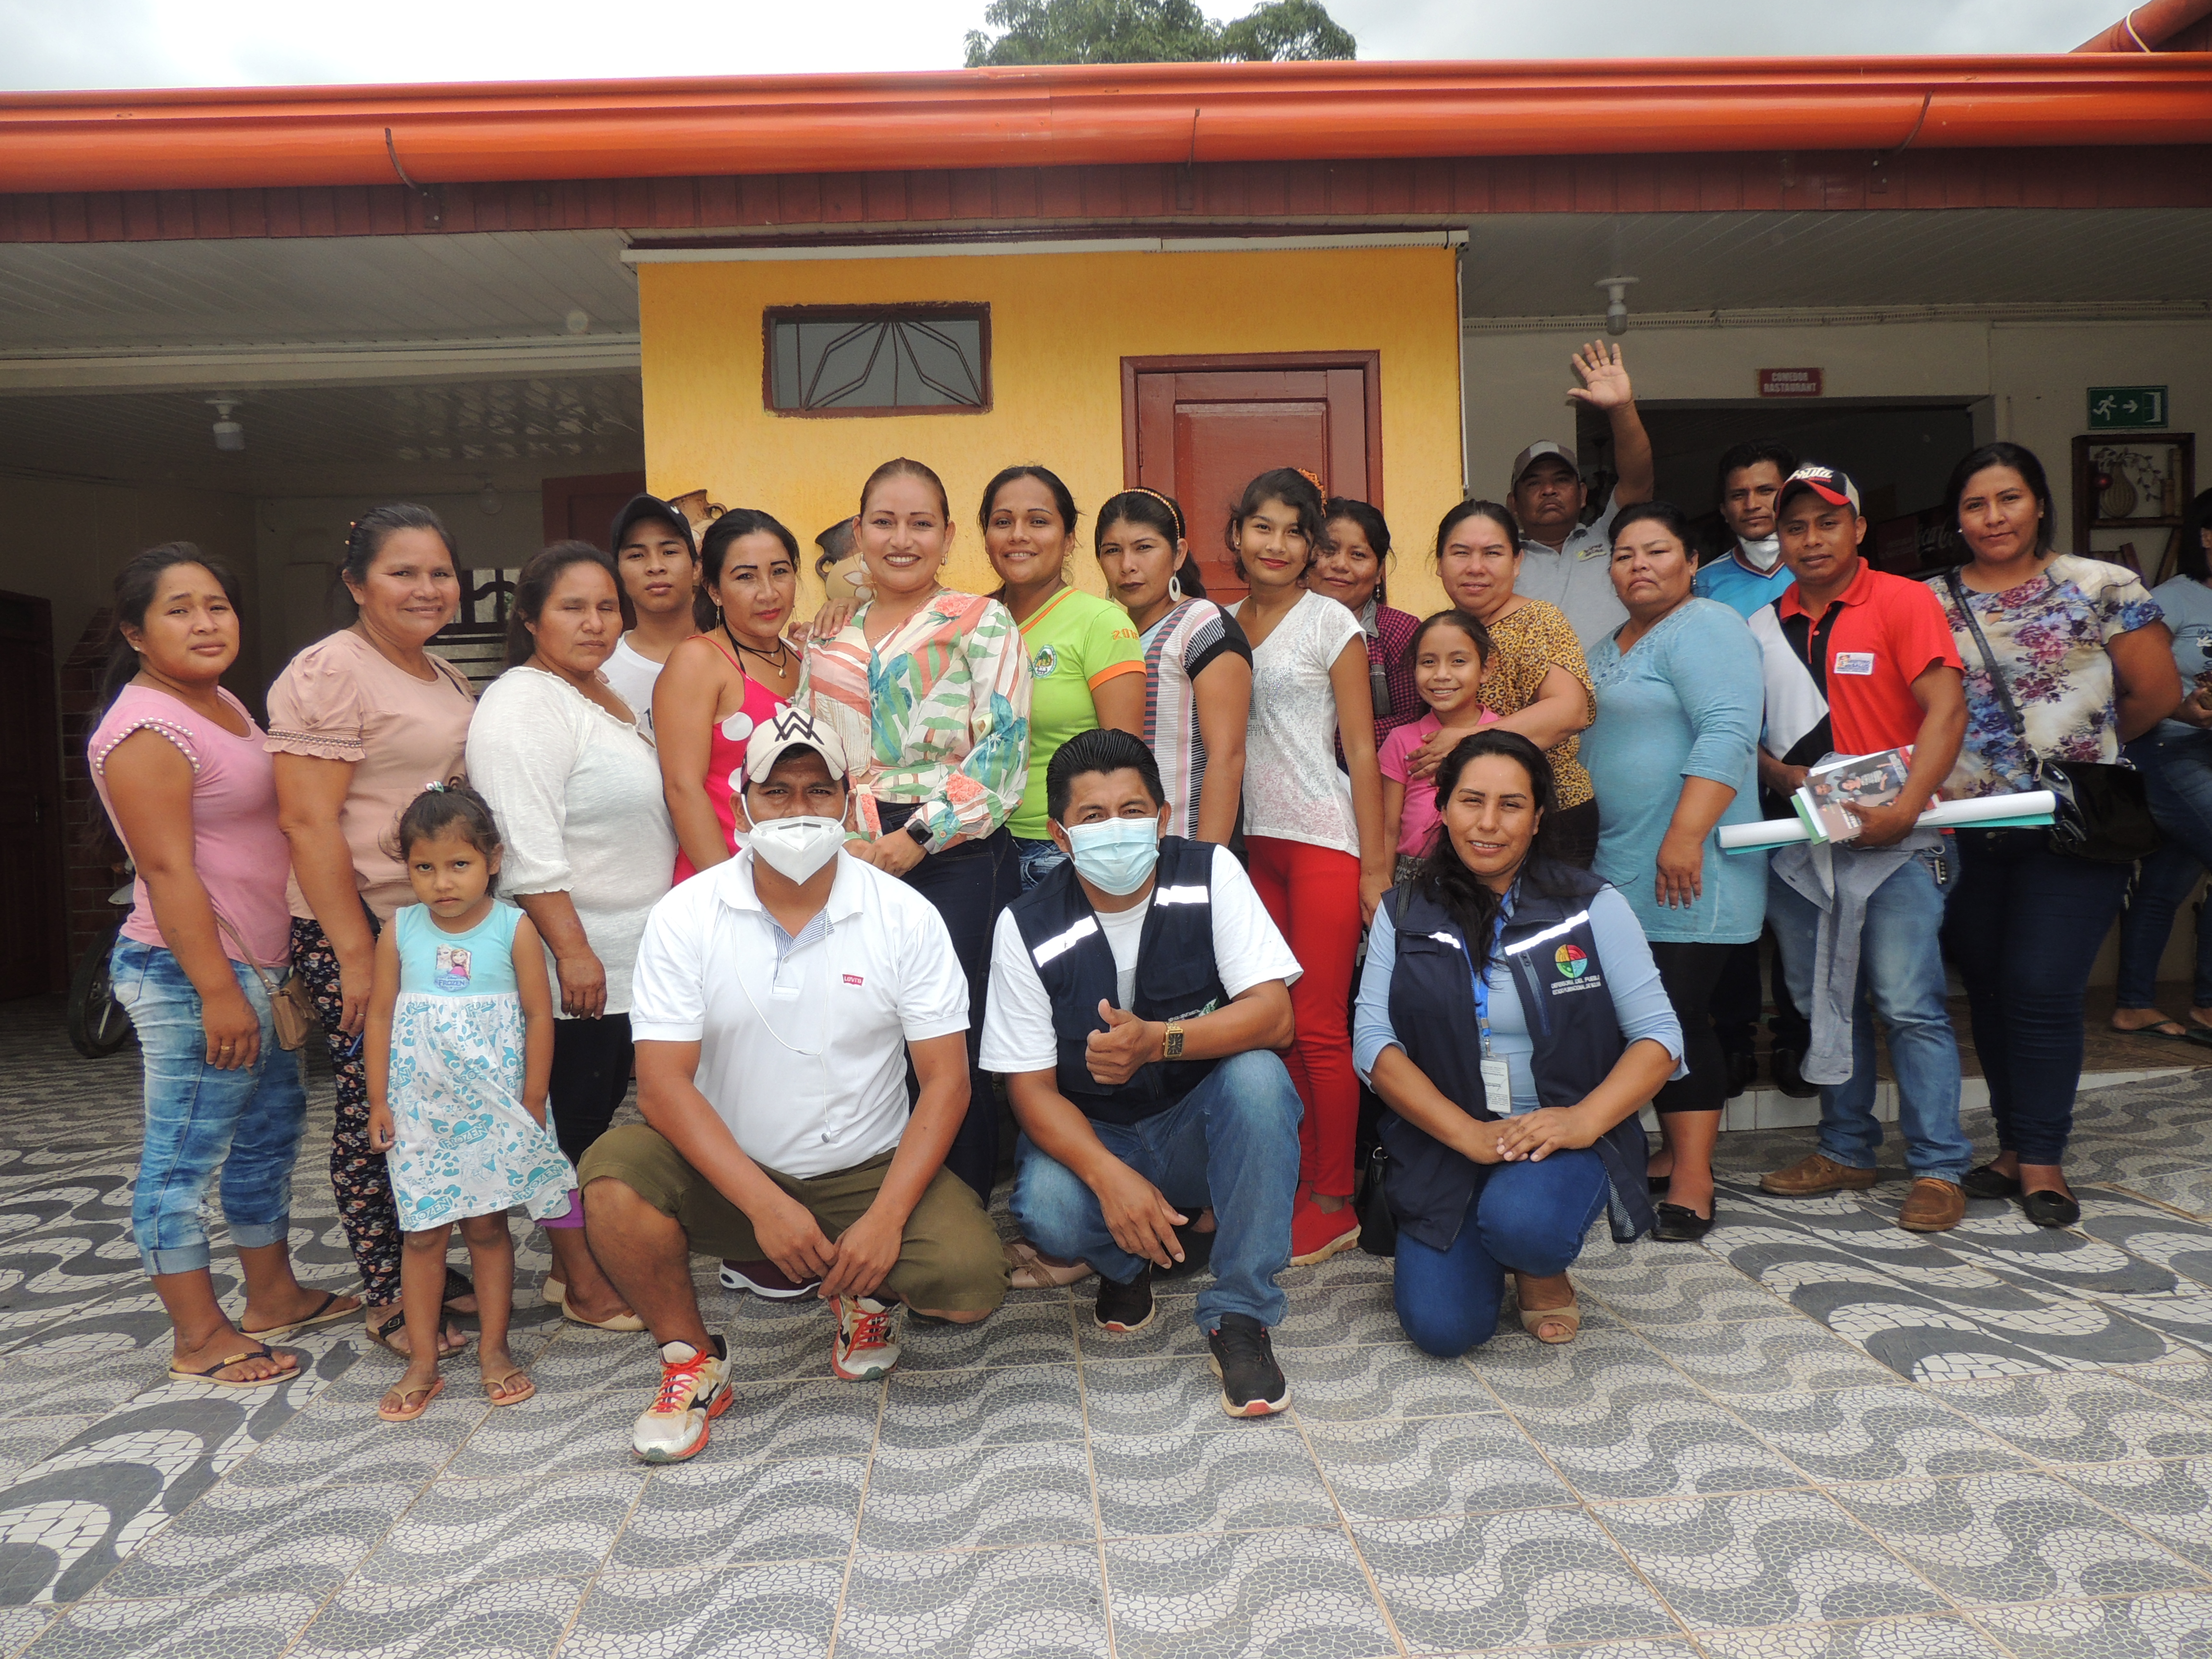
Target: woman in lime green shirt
[[1086, 668]]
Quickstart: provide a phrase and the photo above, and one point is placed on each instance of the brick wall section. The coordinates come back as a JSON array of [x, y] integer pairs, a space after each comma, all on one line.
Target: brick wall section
[[90, 852]]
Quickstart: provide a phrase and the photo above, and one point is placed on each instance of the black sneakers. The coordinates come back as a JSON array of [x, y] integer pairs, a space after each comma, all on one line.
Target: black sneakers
[[1125, 1307], [1252, 1383]]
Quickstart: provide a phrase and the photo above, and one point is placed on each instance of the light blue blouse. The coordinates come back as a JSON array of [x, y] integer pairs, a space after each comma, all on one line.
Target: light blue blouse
[[1685, 702], [1639, 1002]]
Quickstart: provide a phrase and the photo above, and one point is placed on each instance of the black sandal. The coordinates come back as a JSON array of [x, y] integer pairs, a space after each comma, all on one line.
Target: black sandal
[[1680, 1225]]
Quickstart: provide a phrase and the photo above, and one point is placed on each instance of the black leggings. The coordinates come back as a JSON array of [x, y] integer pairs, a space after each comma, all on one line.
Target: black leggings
[[1689, 971], [591, 1075]]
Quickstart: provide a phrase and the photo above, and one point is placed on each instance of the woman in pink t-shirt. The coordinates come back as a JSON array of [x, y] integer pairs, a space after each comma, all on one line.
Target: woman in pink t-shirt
[[1447, 659], [180, 767], [358, 723]]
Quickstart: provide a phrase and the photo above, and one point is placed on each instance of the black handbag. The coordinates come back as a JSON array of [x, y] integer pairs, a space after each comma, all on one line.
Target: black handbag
[[1378, 1228], [2102, 810]]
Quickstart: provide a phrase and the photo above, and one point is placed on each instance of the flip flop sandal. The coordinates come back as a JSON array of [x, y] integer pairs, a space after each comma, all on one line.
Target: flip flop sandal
[[2197, 1033], [1029, 1269], [557, 1296], [494, 1387], [326, 1312], [2179, 1034], [403, 1415], [1569, 1314], [208, 1374], [381, 1335]]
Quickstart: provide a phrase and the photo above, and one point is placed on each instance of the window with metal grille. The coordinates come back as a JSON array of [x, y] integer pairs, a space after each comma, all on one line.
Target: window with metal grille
[[878, 360]]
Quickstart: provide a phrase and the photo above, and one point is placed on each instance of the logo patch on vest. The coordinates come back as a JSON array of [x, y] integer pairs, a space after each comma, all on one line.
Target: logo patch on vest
[[1570, 961]]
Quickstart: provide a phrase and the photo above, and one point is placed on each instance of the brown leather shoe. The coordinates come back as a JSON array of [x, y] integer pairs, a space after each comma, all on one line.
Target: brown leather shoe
[[1932, 1206], [1814, 1175]]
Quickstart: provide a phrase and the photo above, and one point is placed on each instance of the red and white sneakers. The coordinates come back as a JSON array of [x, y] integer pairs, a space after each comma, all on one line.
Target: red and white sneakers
[[694, 1391], [1317, 1234], [865, 1349]]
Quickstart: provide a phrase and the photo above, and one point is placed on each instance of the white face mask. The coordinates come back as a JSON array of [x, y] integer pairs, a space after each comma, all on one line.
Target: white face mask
[[797, 848], [1763, 553]]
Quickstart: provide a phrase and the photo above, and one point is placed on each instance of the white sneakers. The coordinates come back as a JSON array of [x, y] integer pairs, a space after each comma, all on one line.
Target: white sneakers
[[694, 1391], [864, 1350]]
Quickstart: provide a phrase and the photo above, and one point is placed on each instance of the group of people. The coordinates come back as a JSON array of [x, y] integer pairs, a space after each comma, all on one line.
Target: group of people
[[1181, 882]]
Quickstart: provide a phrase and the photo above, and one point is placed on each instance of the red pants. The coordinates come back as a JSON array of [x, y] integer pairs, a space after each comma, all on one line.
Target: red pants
[[1312, 895]]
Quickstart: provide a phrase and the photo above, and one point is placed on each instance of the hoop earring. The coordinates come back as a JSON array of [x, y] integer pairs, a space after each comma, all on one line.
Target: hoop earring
[[1174, 590]]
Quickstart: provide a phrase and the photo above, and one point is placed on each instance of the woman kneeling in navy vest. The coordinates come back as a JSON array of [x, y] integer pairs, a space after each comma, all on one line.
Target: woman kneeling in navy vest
[[1512, 1021]]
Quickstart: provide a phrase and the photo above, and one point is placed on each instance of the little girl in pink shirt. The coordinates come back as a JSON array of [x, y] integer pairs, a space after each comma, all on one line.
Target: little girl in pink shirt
[[1451, 655]]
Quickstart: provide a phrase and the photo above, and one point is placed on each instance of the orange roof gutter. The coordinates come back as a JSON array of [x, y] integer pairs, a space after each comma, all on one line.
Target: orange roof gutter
[[2149, 26], [1082, 116]]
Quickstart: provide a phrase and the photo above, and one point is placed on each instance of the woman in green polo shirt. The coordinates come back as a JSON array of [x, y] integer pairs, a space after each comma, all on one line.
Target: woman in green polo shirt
[[1086, 669]]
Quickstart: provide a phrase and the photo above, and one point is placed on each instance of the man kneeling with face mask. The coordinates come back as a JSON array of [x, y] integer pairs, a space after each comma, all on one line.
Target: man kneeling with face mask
[[1136, 992], [777, 1000]]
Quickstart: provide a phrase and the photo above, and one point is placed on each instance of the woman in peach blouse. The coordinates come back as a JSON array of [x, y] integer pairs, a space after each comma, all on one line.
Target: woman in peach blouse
[[359, 723]]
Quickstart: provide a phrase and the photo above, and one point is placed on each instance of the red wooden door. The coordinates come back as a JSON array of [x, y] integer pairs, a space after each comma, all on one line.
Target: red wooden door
[[583, 509], [1199, 430], [32, 958]]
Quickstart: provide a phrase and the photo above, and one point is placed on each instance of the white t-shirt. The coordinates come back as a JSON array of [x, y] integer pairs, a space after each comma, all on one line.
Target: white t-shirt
[[1579, 577], [633, 677], [1293, 789], [1017, 1035], [802, 1043]]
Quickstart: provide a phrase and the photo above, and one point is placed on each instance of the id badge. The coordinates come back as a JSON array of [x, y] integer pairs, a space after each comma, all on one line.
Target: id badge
[[1497, 1086]]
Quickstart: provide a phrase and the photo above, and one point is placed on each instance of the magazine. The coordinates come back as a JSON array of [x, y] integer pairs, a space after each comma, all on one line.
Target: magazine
[[1843, 781]]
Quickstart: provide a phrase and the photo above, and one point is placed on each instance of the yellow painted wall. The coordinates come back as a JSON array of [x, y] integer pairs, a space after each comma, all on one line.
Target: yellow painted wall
[[1061, 324]]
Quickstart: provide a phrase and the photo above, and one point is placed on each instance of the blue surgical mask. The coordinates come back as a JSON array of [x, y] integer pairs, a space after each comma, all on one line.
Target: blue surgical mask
[[1116, 856]]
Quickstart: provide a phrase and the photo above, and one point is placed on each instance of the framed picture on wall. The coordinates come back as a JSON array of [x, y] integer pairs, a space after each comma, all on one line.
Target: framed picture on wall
[[2129, 495]]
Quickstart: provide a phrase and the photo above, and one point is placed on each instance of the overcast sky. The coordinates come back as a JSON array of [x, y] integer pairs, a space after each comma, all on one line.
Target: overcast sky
[[62, 44]]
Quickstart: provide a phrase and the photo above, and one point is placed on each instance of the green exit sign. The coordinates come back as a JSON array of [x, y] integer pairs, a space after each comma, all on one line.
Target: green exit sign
[[2114, 407]]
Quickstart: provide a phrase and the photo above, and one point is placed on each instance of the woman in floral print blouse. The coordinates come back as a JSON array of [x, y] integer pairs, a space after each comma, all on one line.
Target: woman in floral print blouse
[[933, 689], [2085, 653]]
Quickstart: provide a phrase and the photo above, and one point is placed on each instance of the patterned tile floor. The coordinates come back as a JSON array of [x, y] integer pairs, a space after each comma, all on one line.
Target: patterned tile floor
[[1814, 1438]]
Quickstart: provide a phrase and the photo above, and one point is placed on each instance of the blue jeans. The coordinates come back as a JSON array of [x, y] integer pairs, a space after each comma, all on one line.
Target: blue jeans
[[1900, 980], [1232, 1143], [2025, 927], [197, 1118], [1525, 1218], [1038, 859], [2177, 774]]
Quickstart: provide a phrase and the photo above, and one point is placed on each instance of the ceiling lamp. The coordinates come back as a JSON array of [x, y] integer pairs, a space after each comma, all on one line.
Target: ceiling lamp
[[229, 436], [1616, 311]]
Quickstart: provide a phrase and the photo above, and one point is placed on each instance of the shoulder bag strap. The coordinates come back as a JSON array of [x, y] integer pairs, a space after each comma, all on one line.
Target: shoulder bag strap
[[243, 955], [1989, 661]]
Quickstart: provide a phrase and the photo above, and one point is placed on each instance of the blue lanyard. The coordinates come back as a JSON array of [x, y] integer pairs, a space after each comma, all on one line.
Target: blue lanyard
[[1481, 975]]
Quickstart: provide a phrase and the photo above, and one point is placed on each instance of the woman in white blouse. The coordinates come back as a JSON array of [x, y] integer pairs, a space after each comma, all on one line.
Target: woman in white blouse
[[575, 788], [1314, 830]]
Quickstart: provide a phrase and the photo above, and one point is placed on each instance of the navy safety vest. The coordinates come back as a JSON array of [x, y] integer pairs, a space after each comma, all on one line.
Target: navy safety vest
[[1560, 982], [1176, 979]]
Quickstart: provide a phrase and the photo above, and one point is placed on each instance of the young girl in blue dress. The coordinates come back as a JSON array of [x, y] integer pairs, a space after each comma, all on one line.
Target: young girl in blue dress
[[461, 1045]]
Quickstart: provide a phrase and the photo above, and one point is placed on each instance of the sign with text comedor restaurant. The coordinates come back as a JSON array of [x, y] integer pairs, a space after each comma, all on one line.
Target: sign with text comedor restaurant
[[2118, 408], [1788, 382]]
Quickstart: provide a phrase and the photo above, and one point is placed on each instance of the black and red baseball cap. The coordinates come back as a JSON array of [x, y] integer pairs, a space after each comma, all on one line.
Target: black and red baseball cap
[[1829, 484]]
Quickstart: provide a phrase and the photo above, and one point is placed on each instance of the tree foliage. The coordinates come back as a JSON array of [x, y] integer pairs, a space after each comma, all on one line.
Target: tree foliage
[[1153, 32]]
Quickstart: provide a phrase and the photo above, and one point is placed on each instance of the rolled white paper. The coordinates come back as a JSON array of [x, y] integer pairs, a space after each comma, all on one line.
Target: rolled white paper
[[2030, 808]]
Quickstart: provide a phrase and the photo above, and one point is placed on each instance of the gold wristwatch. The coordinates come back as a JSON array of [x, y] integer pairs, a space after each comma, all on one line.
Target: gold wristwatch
[[1171, 1044]]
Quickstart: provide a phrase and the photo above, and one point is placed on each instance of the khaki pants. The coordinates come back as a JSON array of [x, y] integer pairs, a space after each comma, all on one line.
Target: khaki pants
[[950, 1258]]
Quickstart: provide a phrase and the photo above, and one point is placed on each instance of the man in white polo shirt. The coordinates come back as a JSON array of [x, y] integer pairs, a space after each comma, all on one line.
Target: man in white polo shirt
[[777, 1000], [1564, 560]]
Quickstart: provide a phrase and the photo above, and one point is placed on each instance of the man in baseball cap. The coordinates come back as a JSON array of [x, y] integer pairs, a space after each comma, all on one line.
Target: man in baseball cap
[[1859, 662], [1564, 560], [778, 1000]]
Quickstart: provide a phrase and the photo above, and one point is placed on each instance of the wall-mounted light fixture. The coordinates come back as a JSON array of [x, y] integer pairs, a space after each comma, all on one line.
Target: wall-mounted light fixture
[[229, 436], [488, 499], [1616, 311]]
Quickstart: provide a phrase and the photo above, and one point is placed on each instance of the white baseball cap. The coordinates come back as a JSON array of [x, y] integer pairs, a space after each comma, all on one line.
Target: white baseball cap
[[786, 730]]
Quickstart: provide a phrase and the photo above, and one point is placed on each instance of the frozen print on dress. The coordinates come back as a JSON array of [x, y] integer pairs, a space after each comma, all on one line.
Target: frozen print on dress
[[452, 973]]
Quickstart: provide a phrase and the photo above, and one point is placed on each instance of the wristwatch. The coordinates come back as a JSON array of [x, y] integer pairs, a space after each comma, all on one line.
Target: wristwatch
[[1171, 1044], [919, 829]]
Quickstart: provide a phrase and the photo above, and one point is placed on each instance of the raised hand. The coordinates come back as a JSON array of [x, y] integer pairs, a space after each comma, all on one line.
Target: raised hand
[[1605, 381]]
